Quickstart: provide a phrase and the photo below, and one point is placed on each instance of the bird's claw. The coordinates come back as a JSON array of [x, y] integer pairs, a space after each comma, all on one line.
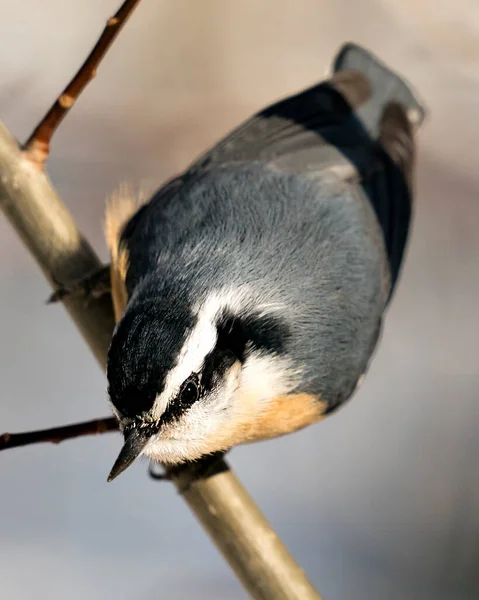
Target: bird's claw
[[94, 285]]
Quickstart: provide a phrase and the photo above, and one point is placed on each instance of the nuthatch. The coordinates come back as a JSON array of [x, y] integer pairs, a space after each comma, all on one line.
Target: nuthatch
[[249, 291]]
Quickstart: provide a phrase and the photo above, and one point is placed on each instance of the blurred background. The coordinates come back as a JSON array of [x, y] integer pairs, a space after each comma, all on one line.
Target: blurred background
[[380, 501]]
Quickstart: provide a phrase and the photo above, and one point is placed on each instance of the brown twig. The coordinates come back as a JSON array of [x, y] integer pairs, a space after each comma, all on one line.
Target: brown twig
[[55, 435], [37, 146]]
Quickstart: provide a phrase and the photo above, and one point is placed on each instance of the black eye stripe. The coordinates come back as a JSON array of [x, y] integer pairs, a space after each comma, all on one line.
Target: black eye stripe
[[266, 332], [190, 392], [217, 362], [231, 336], [237, 336]]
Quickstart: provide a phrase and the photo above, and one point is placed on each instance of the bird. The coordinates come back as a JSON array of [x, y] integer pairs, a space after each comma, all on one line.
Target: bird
[[249, 291]]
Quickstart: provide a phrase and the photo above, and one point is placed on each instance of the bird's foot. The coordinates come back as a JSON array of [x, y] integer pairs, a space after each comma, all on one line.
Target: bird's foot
[[188, 472], [94, 285]]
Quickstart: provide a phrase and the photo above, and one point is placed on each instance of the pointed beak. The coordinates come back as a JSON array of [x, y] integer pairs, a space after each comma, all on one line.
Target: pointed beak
[[135, 441]]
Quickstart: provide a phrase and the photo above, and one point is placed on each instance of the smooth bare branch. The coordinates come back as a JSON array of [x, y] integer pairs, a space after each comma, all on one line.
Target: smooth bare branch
[[37, 147], [226, 511], [28, 200]]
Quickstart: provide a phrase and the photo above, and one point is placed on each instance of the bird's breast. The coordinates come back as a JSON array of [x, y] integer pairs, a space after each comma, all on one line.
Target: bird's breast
[[279, 416]]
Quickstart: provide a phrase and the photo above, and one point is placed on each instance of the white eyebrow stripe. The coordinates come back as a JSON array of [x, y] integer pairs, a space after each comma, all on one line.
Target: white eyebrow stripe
[[190, 360], [202, 340], [198, 344]]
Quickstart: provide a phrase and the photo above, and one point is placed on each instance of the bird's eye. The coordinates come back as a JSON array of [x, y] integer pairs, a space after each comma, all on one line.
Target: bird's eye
[[190, 391]]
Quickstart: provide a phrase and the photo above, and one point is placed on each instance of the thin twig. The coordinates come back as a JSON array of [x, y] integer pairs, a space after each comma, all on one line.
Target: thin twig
[[37, 146], [55, 435]]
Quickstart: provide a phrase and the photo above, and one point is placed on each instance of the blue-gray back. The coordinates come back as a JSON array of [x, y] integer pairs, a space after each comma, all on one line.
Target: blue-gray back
[[308, 204]]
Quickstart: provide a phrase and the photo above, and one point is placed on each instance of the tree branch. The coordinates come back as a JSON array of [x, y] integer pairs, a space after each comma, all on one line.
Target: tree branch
[[38, 144], [55, 435], [220, 502]]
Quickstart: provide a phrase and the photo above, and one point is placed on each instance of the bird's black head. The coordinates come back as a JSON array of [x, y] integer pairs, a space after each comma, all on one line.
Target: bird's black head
[[173, 375], [144, 348]]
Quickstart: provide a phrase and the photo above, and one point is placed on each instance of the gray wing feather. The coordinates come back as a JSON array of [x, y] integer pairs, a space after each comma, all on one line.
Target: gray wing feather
[[310, 202]]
